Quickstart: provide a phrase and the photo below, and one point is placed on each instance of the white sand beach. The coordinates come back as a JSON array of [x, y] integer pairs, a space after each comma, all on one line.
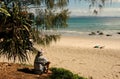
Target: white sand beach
[[79, 55]]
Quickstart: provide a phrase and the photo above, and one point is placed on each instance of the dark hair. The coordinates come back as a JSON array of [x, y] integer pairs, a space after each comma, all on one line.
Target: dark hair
[[39, 53]]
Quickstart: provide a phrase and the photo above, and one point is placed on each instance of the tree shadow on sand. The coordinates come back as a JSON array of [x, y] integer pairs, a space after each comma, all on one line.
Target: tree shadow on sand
[[31, 71], [26, 70]]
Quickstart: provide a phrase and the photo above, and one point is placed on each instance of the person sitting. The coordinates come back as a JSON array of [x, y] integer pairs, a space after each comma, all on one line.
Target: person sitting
[[41, 64]]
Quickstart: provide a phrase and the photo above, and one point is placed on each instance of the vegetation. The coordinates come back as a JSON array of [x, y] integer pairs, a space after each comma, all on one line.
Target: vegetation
[[18, 26], [60, 73]]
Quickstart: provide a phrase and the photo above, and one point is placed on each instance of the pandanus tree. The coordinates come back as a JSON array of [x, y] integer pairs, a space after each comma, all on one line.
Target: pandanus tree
[[18, 25]]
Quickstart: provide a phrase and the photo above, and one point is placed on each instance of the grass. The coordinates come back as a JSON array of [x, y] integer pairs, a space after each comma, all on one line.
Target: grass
[[61, 73]]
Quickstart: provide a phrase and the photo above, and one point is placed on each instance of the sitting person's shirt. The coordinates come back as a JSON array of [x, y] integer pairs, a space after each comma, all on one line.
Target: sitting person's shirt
[[39, 64], [41, 60]]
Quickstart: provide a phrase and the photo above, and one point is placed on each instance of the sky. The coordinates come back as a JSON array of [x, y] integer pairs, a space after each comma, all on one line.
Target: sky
[[82, 8]]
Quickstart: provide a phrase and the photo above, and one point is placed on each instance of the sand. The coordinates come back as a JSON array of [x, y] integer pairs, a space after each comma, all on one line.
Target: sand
[[77, 53]]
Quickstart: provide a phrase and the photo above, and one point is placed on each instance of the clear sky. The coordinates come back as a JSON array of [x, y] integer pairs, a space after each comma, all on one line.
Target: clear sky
[[82, 8]]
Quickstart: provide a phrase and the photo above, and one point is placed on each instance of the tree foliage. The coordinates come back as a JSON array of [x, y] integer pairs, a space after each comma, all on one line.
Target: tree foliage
[[18, 26], [95, 5]]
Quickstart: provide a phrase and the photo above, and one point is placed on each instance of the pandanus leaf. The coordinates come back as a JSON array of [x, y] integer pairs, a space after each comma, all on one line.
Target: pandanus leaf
[[4, 11]]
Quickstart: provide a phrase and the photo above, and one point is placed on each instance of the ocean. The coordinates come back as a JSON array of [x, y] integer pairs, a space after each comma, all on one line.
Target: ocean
[[92, 24]]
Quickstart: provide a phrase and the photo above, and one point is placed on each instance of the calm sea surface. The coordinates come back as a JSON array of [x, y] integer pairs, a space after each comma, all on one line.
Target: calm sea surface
[[88, 24]]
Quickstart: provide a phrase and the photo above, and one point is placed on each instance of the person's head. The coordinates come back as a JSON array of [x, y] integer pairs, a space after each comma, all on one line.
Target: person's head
[[39, 53]]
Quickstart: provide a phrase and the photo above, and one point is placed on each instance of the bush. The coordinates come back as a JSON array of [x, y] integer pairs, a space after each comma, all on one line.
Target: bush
[[60, 73]]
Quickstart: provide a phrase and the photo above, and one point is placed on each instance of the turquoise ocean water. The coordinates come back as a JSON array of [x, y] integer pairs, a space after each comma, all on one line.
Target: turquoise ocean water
[[88, 24]]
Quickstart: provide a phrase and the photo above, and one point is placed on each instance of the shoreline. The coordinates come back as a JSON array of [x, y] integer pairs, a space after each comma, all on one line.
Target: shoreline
[[105, 33]]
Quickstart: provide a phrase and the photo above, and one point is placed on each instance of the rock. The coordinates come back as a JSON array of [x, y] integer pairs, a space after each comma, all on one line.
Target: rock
[[118, 32], [98, 31], [101, 33], [108, 35], [92, 33]]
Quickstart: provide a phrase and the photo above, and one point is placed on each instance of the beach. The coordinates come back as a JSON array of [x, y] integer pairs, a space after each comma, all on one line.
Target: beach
[[78, 54]]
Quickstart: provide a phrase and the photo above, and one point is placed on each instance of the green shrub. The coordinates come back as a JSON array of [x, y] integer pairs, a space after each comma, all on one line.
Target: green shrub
[[60, 73]]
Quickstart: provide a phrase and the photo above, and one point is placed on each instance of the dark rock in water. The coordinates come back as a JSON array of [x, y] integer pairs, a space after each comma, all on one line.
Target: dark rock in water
[[118, 32], [92, 33], [98, 31], [108, 35], [101, 33]]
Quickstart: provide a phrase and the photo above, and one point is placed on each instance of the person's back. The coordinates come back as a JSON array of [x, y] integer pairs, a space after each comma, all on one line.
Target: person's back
[[41, 64]]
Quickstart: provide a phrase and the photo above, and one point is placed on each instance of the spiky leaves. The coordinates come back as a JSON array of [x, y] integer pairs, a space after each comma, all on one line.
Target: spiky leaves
[[44, 38], [4, 12], [14, 36], [50, 17], [48, 3], [96, 5]]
